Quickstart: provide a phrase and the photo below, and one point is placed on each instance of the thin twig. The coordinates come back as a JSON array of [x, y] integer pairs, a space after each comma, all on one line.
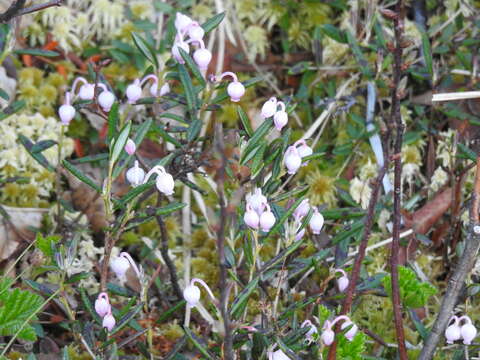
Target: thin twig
[[164, 251], [396, 118], [17, 9], [228, 344], [39, 7], [456, 281]]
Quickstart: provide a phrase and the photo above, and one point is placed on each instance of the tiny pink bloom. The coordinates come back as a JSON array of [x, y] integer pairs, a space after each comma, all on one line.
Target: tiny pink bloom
[[120, 266], [182, 22], [350, 334], [102, 305], [134, 92], [202, 58], [316, 222], [269, 107], [191, 294], [302, 209], [87, 91], [251, 218], [106, 100], [280, 119], [267, 219], [135, 175], [277, 355], [165, 183], [292, 160], [176, 53], [257, 200], [467, 331], [453, 332], [328, 336], [130, 147], [195, 31], [108, 322], [235, 90], [66, 113]]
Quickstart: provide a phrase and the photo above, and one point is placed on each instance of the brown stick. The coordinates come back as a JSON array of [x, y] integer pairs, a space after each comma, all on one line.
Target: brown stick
[[17, 9], [456, 281], [397, 216]]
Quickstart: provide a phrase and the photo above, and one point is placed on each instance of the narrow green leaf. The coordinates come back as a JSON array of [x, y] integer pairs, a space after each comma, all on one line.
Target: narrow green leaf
[[120, 142], [91, 158], [170, 208], [113, 117], [81, 176], [37, 52], [286, 215], [241, 300], [427, 53], [197, 343], [245, 121], [254, 141], [12, 109], [166, 136], [42, 145], [187, 86], [194, 130], [213, 22], [193, 67], [174, 117], [133, 193], [4, 95], [357, 52], [28, 145], [145, 48], [127, 318], [334, 33], [166, 314]]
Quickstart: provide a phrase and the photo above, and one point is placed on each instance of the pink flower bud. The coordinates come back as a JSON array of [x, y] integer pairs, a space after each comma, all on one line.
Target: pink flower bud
[[251, 218], [134, 92], [120, 266], [235, 90], [87, 91], [102, 305], [342, 283], [269, 108], [328, 336], [267, 219], [316, 222], [135, 175], [292, 160], [257, 201], [467, 331], [302, 209], [311, 333], [66, 113], [182, 22], [280, 119], [453, 333], [191, 294], [350, 334], [303, 150], [195, 31], [130, 147], [106, 100], [176, 53], [202, 58], [108, 322], [165, 183]]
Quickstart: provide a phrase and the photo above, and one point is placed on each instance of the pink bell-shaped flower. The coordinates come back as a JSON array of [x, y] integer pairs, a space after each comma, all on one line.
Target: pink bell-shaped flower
[[327, 334], [303, 149], [269, 107], [350, 334], [292, 160], [267, 219], [182, 22], [130, 147], [165, 89], [467, 330], [86, 91], [316, 222], [135, 175], [176, 53], [342, 282], [311, 333], [302, 209], [191, 293], [165, 182], [106, 98], [251, 218], [66, 112], [195, 31], [453, 332], [134, 92], [102, 305], [108, 322], [202, 58], [257, 200], [280, 119], [235, 89], [277, 355], [120, 265]]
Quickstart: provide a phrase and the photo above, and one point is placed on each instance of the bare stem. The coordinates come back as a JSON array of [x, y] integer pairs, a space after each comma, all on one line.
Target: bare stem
[[17, 9]]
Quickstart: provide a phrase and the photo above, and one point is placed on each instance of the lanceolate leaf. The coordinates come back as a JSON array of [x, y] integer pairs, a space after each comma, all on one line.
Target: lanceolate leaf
[[81, 176], [188, 87], [212, 23], [145, 48], [29, 146], [120, 142]]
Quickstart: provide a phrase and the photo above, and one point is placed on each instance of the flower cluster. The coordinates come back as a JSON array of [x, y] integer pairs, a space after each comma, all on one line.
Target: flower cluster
[[294, 155], [258, 212], [134, 90], [104, 310], [466, 332], [328, 335], [270, 108]]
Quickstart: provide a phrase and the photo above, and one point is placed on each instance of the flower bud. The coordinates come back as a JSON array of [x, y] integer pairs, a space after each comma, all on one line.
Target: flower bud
[[165, 183], [292, 160], [135, 175], [195, 31], [280, 119], [134, 92], [251, 218], [350, 334], [202, 58], [342, 283], [191, 294], [328, 336], [66, 113], [269, 108], [120, 266], [302, 209], [130, 147], [165, 89], [176, 53], [304, 150], [108, 322], [106, 100], [182, 22], [235, 90], [316, 222], [468, 331], [87, 91], [257, 201], [102, 305], [267, 219], [453, 333], [311, 333]]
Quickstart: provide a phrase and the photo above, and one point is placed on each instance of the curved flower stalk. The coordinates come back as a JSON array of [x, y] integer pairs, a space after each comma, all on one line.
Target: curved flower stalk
[[191, 293], [164, 183], [342, 282], [312, 333], [235, 89], [328, 335], [66, 112], [86, 91]]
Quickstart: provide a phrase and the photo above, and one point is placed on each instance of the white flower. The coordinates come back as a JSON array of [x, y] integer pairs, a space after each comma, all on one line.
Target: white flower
[[360, 192], [439, 178]]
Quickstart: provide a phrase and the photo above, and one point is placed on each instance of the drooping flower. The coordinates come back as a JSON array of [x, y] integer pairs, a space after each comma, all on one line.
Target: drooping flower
[[102, 305], [467, 330], [257, 200], [135, 175], [251, 217], [342, 282], [316, 222], [66, 112], [235, 89], [292, 160], [312, 332], [280, 119], [269, 108], [108, 322], [122, 263], [267, 219], [130, 147], [164, 182], [192, 294], [328, 335]]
